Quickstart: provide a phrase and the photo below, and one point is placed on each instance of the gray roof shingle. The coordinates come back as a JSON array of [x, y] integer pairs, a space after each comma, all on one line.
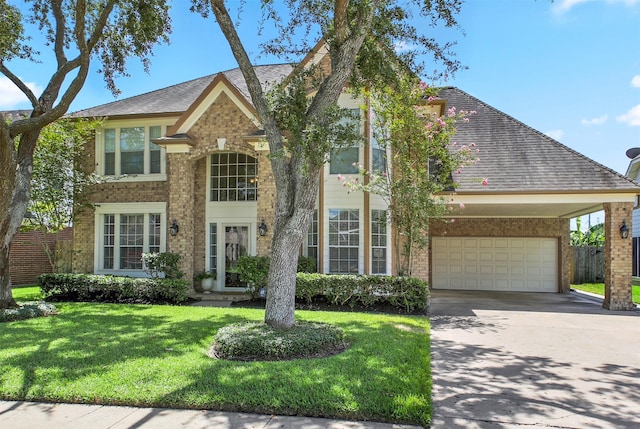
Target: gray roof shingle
[[178, 98], [516, 158]]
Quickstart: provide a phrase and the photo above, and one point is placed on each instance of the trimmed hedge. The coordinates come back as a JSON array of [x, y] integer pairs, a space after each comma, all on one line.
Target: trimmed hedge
[[408, 294], [122, 290]]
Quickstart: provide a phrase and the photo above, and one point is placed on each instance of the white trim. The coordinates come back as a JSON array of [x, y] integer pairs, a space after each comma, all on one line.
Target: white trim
[[549, 198], [223, 214], [125, 208], [163, 123]]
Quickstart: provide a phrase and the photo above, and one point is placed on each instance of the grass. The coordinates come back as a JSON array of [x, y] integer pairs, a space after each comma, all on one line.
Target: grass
[[152, 355], [598, 289]]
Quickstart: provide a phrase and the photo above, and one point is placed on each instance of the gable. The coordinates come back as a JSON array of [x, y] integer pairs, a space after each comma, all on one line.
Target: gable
[[218, 87]]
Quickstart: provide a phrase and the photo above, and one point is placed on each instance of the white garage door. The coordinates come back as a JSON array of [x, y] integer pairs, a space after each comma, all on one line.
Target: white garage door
[[501, 264]]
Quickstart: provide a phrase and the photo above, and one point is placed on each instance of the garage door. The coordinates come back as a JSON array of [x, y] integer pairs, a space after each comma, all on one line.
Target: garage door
[[501, 264]]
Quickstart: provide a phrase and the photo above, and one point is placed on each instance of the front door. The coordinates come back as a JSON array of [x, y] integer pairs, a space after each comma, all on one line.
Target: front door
[[236, 244]]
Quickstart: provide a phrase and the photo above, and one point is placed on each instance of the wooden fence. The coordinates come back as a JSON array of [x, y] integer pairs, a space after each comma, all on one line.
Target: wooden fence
[[588, 265]]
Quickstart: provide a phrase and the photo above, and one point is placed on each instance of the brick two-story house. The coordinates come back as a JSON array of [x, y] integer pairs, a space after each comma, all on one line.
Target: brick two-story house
[[193, 156]]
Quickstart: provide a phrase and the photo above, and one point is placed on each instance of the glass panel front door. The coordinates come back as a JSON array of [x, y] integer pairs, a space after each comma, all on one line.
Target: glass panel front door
[[236, 244]]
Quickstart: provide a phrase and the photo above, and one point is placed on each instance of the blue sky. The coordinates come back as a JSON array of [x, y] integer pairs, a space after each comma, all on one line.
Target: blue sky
[[569, 68]]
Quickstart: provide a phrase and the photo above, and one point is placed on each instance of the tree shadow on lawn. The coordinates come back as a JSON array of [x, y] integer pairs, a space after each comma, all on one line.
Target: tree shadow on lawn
[[86, 341], [486, 384], [366, 382], [84, 355]]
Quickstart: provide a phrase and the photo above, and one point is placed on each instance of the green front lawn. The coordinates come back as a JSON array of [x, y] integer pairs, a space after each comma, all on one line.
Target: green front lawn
[[598, 289], [152, 355]]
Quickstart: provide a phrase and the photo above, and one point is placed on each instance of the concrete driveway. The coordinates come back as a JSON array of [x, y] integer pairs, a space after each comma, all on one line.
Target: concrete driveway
[[514, 360]]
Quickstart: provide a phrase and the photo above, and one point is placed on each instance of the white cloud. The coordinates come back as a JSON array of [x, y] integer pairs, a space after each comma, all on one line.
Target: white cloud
[[595, 121], [555, 134], [632, 117], [11, 96], [563, 6], [635, 81]]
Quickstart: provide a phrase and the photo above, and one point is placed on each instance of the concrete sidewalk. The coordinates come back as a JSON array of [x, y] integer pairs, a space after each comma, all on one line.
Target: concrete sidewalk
[[513, 360], [30, 415]]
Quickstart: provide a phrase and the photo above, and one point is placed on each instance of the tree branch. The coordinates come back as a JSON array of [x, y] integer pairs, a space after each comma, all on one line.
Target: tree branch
[[58, 14], [17, 82]]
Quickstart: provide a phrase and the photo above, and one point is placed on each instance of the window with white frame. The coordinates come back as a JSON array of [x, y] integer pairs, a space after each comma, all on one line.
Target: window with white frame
[[344, 241], [378, 157], [312, 238], [234, 177], [345, 159], [129, 151], [124, 232], [378, 242]]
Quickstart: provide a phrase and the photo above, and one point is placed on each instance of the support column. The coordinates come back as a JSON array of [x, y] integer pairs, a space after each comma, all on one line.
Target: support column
[[617, 254], [181, 179]]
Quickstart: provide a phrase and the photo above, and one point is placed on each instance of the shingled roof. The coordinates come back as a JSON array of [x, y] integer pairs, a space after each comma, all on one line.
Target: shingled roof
[[516, 158], [178, 98]]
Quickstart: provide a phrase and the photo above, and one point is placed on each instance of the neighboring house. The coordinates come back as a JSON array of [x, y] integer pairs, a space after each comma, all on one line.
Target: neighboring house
[[194, 155], [633, 173]]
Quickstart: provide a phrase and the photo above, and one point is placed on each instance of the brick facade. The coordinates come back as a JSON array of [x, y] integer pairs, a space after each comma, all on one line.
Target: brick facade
[[185, 194], [185, 189], [617, 253]]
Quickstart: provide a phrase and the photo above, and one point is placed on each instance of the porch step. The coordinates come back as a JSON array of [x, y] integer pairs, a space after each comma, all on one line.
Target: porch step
[[220, 296]]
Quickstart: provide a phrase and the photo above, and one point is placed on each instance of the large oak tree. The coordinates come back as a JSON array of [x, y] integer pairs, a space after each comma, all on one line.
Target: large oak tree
[[77, 31], [370, 42]]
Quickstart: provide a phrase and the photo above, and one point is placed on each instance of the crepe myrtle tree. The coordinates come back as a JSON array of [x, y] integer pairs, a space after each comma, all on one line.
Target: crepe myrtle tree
[[77, 32], [419, 164], [363, 37]]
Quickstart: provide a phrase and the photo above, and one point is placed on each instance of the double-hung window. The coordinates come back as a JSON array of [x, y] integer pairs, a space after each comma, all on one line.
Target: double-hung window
[[130, 151], [124, 232], [378, 242], [312, 238], [344, 241]]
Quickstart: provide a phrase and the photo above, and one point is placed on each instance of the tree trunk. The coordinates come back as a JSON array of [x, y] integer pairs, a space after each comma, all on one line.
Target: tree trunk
[[290, 229], [6, 298], [281, 292]]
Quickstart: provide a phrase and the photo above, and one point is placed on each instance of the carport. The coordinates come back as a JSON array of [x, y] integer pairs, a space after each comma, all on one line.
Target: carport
[[510, 232]]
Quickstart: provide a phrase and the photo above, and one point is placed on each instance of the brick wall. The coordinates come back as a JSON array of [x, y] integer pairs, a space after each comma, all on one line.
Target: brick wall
[[28, 259], [618, 257]]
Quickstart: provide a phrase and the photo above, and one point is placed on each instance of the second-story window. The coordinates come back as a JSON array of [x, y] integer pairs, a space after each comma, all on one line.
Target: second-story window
[[129, 150], [345, 158], [234, 177]]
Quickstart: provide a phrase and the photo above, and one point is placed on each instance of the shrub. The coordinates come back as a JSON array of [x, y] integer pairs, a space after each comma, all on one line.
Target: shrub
[[165, 262], [253, 270], [98, 288], [27, 310], [306, 264], [258, 341], [408, 294]]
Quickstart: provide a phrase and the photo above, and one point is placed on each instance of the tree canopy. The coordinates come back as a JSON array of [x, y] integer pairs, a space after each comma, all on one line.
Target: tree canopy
[[365, 40], [77, 31]]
